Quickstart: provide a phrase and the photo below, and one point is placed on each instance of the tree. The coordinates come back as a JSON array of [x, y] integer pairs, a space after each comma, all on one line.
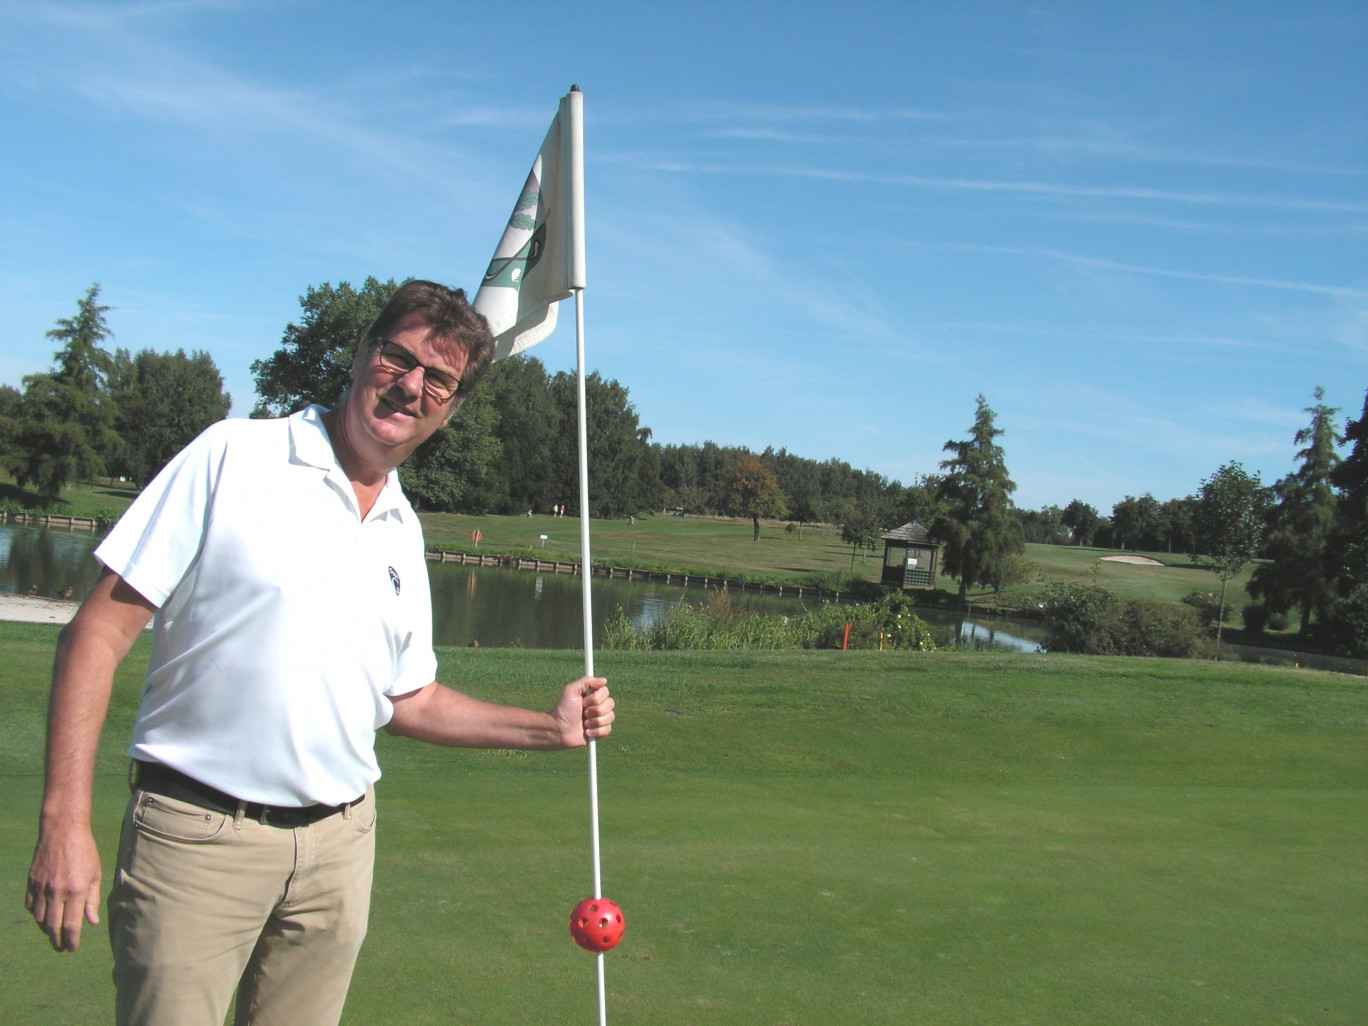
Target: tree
[[799, 480], [315, 356], [162, 401], [527, 421], [1081, 519], [1347, 623], [755, 492], [917, 503], [975, 521], [1229, 524], [860, 527], [82, 362], [1300, 525], [11, 401], [456, 470], [65, 422], [615, 447], [651, 493], [1137, 522], [1044, 526], [1178, 515]]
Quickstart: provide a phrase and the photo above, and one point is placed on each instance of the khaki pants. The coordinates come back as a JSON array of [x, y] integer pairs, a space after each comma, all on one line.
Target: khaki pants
[[203, 903]]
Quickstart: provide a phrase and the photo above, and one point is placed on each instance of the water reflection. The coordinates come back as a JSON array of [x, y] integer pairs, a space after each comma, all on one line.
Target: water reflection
[[519, 608], [989, 635], [48, 559]]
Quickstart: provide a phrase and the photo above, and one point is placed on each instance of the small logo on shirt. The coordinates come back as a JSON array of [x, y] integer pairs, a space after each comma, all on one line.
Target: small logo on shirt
[[394, 579]]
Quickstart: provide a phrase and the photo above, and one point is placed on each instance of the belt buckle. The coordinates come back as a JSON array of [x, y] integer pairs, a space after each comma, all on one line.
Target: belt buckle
[[281, 816]]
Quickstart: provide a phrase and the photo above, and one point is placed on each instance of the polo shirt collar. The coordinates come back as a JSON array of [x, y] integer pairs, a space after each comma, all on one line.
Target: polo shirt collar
[[311, 446]]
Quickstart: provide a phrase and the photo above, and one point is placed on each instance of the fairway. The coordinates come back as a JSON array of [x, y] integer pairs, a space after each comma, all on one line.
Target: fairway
[[814, 838]]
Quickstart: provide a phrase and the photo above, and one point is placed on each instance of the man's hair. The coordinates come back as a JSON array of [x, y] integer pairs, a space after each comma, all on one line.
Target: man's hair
[[449, 316]]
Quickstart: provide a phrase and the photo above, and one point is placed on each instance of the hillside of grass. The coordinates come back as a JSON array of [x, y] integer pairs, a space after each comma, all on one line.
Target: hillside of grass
[[943, 838]]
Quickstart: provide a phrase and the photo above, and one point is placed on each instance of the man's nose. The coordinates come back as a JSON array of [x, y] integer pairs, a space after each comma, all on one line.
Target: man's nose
[[412, 381]]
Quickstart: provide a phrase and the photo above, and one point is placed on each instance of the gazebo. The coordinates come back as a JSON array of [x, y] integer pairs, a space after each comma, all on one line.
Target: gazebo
[[910, 558]]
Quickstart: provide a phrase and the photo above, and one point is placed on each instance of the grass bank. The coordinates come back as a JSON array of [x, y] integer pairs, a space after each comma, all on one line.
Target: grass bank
[[809, 838], [723, 546]]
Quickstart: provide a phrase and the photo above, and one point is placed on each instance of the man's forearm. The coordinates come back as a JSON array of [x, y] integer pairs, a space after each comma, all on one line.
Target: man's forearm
[[442, 716], [89, 651], [82, 680]]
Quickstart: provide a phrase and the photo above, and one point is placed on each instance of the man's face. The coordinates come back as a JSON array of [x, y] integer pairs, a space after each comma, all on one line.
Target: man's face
[[389, 411]]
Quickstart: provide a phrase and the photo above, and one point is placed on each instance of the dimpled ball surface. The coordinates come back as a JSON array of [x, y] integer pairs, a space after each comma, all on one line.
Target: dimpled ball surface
[[596, 924]]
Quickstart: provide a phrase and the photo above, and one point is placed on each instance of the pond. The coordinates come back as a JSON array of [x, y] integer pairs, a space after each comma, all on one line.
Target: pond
[[494, 607], [522, 608]]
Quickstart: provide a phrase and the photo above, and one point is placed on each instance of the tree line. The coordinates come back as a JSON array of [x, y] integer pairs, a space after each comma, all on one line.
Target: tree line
[[511, 449], [104, 413]]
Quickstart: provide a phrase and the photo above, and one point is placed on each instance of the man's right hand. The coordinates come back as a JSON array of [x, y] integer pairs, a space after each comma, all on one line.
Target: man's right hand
[[64, 879], [64, 885]]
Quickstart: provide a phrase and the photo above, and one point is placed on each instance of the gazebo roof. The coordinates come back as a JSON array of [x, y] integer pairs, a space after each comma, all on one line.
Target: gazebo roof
[[913, 532]]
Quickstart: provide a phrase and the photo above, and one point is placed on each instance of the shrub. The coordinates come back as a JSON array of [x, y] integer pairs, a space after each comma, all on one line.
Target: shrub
[[900, 625], [1255, 617], [1078, 618], [1017, 570], [1154, 629], [713, 625], [1092, 620], [1207, 605]]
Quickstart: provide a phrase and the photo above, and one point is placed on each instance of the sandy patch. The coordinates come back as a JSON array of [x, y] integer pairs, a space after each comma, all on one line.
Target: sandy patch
[[36, 610], [1137, 560]]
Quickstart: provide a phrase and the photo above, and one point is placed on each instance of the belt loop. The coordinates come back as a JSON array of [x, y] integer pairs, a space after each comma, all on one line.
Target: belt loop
[[347, 810], [134, 774], [237, 817]]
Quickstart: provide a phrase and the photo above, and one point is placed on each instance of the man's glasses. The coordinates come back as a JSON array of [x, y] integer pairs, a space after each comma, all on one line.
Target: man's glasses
[[440, 385]]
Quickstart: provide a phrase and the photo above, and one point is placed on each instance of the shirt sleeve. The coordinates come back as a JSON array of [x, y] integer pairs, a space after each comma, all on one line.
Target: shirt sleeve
[[158, 537]]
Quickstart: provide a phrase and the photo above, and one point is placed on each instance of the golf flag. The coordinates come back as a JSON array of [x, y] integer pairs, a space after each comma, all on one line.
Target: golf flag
[[540, 259]]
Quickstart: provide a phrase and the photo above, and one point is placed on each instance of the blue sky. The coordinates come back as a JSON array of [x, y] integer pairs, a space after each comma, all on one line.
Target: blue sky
[[1140, 229]]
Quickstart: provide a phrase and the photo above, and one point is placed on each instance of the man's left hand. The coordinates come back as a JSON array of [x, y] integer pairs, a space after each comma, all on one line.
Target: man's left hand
[[585, 711]]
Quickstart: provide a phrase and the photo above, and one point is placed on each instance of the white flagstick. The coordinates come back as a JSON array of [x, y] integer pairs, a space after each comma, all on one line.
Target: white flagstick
[[519, 296], [588, 603]]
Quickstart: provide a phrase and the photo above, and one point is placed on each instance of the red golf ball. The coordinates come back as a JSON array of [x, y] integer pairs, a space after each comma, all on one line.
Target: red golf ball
[[596, 924]]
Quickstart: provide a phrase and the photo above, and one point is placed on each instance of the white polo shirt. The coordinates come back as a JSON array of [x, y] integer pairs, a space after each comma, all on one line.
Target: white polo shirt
[[285, 620]]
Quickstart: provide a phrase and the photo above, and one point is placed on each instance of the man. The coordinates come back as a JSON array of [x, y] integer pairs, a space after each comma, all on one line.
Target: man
[[293, 619]]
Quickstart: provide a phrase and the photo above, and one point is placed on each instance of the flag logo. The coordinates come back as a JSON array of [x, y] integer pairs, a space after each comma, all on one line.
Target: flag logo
[[539, 261], [394, 579]]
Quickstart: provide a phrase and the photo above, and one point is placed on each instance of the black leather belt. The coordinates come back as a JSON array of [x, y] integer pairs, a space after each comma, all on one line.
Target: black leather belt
[[171, 783]]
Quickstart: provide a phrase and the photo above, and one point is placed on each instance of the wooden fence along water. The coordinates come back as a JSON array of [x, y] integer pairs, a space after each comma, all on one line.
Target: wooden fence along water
[[555, 566], [552, 566], [54, 520]]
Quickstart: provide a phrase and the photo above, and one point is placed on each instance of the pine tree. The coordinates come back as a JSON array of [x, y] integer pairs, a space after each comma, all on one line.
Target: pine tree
[[1300, 525], [1347, 553], [974, 521], [64, 425]]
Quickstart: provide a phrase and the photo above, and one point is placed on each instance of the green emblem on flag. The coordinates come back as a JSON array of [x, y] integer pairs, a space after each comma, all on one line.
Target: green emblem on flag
[[509, 271]]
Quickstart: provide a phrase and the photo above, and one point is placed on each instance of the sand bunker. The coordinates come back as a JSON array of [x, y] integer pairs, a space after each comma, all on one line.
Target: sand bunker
[[36, 610], [1138, 560]]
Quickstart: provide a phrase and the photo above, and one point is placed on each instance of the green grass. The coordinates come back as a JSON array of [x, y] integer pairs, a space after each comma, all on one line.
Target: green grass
[[715, 546], [813, 838], [1177, 576], [81, 500]]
